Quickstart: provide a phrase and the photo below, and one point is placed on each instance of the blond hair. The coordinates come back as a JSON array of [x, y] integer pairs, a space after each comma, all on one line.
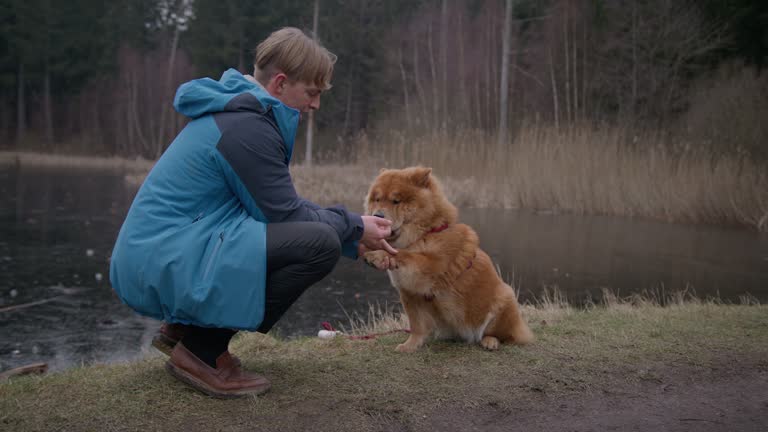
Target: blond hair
[[295, 54]]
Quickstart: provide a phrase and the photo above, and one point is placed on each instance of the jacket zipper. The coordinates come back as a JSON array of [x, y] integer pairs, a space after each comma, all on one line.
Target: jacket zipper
[[213, 255]]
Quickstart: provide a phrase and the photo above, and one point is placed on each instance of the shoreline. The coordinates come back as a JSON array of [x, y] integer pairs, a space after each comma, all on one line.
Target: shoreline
[[615, 362], [46, 160]]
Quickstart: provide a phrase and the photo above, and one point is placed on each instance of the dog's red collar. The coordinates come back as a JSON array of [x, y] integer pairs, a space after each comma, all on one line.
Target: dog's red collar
[[438, 229]]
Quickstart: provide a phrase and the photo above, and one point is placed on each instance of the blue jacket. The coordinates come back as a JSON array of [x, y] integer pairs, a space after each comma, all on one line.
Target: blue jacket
[[192, 249]]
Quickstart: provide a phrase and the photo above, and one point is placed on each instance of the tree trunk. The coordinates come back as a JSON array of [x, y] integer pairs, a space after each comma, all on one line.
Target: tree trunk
[[141, 143], [463, 98], [404, 77], [311, 117], [435, 102], [504, 87], [160, 142], [21, 108], [347, 110], [556, 108], [633, 102], [493, 58], [444, 66], [487, 123], [574, 72], [568, 114], [241, 48], [419, 88], [47, 108], [4, 120], [584, 51]]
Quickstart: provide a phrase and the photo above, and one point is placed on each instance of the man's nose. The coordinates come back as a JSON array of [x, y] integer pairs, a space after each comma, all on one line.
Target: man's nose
[[315, 103]]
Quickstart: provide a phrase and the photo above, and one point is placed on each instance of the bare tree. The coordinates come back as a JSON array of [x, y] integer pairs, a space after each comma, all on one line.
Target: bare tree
[[504, 88], [555, 105], [443, 97], [404, 77], [174, 15], [311, 117], [21, 107]]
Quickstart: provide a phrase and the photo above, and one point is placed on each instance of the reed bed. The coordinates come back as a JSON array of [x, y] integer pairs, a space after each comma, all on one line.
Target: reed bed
[[584, 170]]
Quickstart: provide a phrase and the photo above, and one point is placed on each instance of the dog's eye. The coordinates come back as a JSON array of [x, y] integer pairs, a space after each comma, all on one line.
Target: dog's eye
[[395, 201]]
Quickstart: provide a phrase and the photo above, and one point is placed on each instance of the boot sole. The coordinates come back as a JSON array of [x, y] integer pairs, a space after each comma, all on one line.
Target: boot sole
[[200, 386]]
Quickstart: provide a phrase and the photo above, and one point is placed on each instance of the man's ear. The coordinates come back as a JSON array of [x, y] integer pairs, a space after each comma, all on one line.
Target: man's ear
[[276, 85], [281, 80]]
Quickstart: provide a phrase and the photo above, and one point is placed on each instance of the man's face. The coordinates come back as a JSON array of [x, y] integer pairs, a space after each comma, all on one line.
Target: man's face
[[299, 95]]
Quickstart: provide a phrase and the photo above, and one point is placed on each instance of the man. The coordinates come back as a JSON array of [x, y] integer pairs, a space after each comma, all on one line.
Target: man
[[217, 240]]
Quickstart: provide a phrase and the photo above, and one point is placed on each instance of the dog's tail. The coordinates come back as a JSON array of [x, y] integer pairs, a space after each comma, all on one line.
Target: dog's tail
[[517, 328], [521, 333]]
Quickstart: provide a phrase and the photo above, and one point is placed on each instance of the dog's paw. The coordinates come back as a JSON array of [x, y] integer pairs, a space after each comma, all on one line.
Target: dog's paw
[[490, 343], [380, 259], [406, 348]]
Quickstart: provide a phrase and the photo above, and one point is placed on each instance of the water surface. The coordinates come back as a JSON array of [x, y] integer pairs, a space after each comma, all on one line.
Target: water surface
[[57, 228]]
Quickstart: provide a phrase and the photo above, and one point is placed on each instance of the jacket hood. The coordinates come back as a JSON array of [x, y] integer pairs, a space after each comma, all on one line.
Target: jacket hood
[[207, 96]]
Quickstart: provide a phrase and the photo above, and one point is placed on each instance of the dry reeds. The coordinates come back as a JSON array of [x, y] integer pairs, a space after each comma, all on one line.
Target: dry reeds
[[582, 169], [586, 170]]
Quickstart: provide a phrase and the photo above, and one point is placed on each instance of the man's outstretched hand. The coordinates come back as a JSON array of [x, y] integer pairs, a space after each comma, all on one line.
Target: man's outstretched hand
[[375, 232]]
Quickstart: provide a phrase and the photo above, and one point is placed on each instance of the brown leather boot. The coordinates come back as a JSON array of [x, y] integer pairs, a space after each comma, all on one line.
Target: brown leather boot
[[168, 336], [227, 380]]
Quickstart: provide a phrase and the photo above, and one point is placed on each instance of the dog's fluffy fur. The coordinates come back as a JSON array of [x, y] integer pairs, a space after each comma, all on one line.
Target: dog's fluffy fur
[[447, 284]]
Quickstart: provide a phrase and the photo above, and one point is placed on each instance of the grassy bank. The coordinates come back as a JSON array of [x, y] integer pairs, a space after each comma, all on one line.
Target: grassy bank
[[349, 385]]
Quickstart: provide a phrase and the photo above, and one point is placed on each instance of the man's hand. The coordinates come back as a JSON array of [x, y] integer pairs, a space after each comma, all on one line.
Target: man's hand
[[375, 232]]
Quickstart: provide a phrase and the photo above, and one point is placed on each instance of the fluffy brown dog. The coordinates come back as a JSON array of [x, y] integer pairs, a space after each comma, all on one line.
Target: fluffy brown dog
[[447, 284]]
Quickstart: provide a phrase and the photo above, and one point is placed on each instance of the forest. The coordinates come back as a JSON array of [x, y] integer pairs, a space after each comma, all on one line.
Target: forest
[[90, 77]]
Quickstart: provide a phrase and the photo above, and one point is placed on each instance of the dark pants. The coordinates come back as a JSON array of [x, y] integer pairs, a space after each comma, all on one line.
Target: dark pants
[[299, 254]]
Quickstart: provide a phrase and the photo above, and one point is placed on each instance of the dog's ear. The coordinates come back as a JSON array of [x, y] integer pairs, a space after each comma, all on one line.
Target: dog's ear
[[421, 176]]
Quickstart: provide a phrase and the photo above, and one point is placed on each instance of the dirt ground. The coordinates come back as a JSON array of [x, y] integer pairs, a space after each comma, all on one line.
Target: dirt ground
[[669, 402], [732, 396]]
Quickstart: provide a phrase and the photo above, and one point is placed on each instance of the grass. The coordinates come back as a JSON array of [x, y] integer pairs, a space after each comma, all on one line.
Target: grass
[[341, 384]]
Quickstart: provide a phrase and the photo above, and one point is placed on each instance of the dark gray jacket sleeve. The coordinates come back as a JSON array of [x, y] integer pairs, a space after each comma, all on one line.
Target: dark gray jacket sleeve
[[255, 150]]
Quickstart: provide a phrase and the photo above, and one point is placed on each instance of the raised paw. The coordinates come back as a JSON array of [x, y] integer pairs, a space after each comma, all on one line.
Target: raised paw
[[380, 259], [490, 343]]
